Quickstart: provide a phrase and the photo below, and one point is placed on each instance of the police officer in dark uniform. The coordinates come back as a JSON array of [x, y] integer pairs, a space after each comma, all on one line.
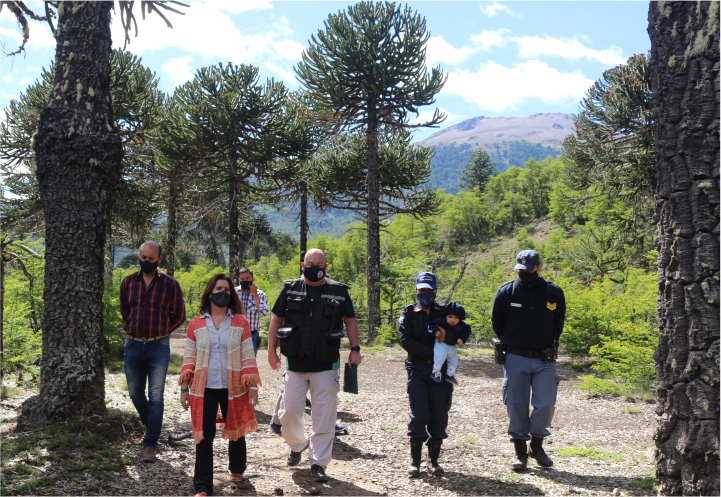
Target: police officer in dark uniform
[[429, 401], [527, 316]]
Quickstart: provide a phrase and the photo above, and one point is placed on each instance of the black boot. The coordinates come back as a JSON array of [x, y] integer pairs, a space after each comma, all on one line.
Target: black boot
[[414, 470], [536, 451], [521, 461], [434, 451]]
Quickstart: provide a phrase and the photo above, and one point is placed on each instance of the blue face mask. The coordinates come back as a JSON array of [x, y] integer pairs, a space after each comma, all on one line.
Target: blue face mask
[[426, 299]]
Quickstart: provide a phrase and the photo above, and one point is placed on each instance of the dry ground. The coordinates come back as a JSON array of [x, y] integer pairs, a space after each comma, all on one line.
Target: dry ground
[[612, 440]]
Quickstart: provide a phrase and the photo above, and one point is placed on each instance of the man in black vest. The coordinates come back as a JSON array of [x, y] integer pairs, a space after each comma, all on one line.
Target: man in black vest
[[307, 324]]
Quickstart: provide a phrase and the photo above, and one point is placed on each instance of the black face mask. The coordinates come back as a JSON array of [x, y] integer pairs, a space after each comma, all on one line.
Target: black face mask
[[314, 273], [245, 285], [221, 299], [527, 278], [148, 267]]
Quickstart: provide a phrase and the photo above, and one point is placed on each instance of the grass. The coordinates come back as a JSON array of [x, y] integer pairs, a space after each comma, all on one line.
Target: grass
[[9, 392], [648, 484], [631, 410], [589, 451], [176, 364], [80, 451], [474, 351], [468, 440]]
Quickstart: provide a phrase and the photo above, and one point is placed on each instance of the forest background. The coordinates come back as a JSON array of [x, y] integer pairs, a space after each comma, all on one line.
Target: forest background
[[596, 239]]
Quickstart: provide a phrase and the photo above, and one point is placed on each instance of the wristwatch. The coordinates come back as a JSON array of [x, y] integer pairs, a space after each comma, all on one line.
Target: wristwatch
[[356, 348]]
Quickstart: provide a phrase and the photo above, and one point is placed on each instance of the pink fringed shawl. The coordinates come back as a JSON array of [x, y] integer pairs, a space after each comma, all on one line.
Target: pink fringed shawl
[[242, 374]]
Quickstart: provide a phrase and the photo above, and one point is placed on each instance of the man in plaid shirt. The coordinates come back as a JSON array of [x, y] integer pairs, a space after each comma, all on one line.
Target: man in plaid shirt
[[255, 303], [151, 303]]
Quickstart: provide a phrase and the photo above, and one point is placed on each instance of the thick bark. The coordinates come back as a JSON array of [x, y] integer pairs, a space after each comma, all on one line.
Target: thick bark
[[685, 77], [303, 217], [79, 156], [233, 229], [373, 268], [172, 227]]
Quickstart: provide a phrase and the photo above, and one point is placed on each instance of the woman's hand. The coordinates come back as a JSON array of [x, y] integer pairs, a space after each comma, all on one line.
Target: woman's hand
[[440, 335], [253, 397], [185, 400]]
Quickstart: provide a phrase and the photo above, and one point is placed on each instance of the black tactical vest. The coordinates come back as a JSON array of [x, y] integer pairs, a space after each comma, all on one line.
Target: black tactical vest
[[317, 335]]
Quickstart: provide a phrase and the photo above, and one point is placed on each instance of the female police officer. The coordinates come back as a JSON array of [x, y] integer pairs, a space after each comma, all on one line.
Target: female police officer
[[429, 401]]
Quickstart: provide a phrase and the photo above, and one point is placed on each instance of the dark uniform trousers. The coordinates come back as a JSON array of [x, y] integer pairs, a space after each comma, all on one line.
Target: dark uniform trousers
[[430, 403]]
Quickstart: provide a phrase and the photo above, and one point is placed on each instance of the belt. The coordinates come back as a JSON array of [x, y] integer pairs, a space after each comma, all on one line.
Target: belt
[[255, 331], [523, 352], [145, 339], [415, 359]]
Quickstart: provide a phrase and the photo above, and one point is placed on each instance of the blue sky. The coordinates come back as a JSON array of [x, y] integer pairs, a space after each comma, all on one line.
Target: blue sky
[[502, 58]]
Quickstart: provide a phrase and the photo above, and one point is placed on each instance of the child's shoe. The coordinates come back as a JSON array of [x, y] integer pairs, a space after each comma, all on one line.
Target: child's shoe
[[436, 376], [451, 379]]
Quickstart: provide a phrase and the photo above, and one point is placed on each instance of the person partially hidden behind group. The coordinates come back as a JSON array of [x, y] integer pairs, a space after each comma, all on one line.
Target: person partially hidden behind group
[[219, 368]]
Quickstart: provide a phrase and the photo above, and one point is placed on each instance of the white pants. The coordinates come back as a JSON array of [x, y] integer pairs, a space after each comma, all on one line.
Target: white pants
[[324, 387]]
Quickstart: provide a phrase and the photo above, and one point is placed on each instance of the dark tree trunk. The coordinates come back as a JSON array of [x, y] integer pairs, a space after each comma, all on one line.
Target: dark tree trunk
[[172, 227], [303, 217], [233, 229], [79, 154], [373, 268], [685, 89]]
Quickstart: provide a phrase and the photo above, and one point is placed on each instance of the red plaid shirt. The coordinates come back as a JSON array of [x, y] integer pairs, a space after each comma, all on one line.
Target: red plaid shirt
[[153, 311]]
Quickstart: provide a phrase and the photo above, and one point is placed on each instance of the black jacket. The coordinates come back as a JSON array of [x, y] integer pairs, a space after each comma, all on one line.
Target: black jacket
[[528, 316], [453, 333], [413, 331]]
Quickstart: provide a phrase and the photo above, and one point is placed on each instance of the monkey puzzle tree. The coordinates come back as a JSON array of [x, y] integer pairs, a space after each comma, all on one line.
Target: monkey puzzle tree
[[237, 125], [367, 71], [477, 171], [78, 154], [685, 78]]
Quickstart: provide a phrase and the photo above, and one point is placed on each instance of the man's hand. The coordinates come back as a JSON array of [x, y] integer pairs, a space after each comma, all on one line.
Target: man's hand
[[440, 335], [274, 360], [254, 289], [459, 342], [355, 358], [185, 400]]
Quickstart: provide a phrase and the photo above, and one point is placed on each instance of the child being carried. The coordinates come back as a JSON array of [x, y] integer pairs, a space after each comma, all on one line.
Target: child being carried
[[457, 333]]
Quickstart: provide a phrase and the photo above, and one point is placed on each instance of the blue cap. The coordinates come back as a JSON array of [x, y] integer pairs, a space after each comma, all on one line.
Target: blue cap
[[426, 280], [527, 260]]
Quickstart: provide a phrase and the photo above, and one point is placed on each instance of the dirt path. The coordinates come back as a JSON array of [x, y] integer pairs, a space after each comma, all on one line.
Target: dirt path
[[372, 459]]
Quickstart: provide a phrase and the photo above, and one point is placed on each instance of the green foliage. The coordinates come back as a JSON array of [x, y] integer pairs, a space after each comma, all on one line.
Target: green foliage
[[387, 334], [193, 284], [477, 171], [113, 323], [598, 386]]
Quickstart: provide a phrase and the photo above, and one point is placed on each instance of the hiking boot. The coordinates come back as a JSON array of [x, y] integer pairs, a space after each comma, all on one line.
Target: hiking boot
[[521, 461], [434, 451], [318, 473], [436, 376], [294, 457], [536, 451], [451, 379], [149, 453], [236, 477], [275, 428], [339, 428], [414, 469]]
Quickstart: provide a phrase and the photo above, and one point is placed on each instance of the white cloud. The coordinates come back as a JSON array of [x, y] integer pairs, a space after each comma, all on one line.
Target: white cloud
[[178, 69], [26, 81], [495, 8], [8, 77], [497, 88], [236, 6], [485, 40], [532, 47], [288, 76], [40, 36], [288, 49], [439, 50]]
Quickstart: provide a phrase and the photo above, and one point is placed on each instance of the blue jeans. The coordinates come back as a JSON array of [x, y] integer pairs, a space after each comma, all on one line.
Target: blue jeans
[[147, 364], [442, 352], [256, 341], [520, 376]]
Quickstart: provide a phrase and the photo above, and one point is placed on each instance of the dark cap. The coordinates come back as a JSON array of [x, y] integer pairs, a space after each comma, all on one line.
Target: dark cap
[[456, 309], [426, 280], [527, 260]]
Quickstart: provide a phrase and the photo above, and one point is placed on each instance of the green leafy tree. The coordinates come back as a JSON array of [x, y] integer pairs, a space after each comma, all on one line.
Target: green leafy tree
[[367, 71], [477, 171], [240, 132]]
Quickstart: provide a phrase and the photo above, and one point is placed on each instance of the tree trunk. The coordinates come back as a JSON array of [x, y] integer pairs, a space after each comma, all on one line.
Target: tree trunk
[[373, 268], [685, 89], [172, 227], [79, 154], [303, 217], [233, 230]]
